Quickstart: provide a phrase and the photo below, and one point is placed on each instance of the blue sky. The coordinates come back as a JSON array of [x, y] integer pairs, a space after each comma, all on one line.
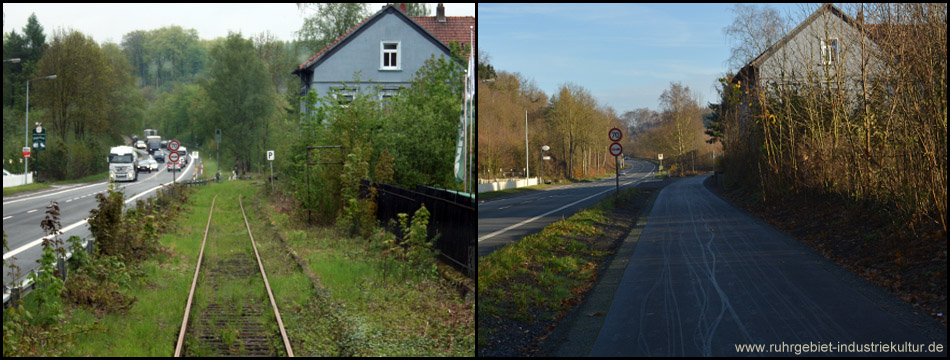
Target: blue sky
[[624, 54]]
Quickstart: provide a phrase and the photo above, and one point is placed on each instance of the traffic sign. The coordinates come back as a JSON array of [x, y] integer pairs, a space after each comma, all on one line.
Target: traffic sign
[[173, 157], [615, 134], [270, 155], [659, 156], [173, 145], [616, 149], [39, 138], [26, 152]]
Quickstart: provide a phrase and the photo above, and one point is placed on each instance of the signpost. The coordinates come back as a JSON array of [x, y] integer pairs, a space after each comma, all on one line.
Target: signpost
[[270, 158], [26, 152], [616, 149], [615, 135], [173, 146], [217, 150], [39, 138], [660, 156]]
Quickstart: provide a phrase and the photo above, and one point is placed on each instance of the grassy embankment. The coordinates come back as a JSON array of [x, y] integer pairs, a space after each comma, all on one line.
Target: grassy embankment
[[363, 302], [544, 275]]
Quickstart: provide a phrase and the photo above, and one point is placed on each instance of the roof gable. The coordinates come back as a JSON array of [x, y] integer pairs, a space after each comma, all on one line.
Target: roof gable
[[420, 23], [826, 8]]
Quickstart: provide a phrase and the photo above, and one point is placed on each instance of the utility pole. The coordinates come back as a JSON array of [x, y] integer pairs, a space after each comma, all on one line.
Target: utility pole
[[527, 170]]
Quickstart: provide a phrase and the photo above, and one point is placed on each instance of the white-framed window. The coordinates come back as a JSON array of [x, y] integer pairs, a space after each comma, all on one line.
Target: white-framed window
[[344, 95], [829, 51], [390, 55]]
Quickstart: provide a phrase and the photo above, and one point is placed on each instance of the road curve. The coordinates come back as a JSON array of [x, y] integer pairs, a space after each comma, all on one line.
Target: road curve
[[509, 219], [705, 277]]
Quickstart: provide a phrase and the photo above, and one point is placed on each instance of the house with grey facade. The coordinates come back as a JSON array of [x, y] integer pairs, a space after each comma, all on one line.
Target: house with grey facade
[[386, 49], [829, 48]]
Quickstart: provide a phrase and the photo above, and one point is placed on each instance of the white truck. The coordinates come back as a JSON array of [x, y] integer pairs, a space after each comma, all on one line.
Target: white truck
[[122, 161]]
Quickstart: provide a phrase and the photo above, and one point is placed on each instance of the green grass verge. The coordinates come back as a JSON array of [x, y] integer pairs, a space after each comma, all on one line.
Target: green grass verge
[[371, 304], [367, 303], [546, 272]]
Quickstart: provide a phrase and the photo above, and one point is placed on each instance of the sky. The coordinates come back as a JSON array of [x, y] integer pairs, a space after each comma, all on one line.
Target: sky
[[624, 54], [109, 22]]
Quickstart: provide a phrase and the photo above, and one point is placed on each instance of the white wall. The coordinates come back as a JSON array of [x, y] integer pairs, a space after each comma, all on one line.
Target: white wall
[[502, 185], [16, 180]]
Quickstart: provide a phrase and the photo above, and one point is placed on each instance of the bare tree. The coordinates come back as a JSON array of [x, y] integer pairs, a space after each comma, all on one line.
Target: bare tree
[[752, 32]]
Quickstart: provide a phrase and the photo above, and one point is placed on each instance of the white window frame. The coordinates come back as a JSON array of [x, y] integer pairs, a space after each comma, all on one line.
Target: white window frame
[[832, 56], [383, 52]]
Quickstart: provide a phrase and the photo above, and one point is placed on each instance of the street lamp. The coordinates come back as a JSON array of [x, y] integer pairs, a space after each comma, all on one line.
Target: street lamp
[[26, 125], [543, 149]]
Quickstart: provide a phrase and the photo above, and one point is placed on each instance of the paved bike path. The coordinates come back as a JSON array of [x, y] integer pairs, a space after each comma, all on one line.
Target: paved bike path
[[705, 277]]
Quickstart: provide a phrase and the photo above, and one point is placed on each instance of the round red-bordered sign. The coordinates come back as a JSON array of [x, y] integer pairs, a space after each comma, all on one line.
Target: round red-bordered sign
[[615, 134], [173, 157], [616, 149], [173, 145]]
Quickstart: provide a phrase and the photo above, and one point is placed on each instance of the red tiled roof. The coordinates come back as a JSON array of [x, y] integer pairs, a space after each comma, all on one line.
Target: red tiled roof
[[455, 28]]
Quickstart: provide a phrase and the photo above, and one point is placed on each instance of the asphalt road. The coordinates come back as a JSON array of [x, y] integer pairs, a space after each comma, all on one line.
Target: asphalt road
[[506, 220], [23, 213], [705, 277]]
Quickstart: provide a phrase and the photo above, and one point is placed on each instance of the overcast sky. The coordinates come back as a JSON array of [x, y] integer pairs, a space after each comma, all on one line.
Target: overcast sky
[[625, 54], [109, 22]]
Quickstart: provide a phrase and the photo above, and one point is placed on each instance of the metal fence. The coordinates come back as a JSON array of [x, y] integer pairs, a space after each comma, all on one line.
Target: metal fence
[[452, 216]]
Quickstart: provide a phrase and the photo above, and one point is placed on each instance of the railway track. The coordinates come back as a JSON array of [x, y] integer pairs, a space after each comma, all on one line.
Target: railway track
[[231, 322]]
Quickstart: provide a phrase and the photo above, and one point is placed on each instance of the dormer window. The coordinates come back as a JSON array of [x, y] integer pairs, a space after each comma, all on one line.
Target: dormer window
[[390, 58]]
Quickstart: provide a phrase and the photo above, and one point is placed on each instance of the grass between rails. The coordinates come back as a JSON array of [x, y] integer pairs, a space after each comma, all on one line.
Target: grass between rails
[[544, 275]]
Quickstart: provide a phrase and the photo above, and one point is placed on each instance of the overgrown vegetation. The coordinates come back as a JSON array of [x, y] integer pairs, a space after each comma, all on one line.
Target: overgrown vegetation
[[858, 130], [871, 128], [97, 282], [406, 140]]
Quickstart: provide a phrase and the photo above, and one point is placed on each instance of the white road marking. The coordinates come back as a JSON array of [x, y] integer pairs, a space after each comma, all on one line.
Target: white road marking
[[34, 210], [82, 222], [8, 217], [39, 196], [486, 237]]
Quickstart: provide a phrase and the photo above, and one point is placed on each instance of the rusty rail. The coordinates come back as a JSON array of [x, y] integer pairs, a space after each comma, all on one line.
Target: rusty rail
[[194, 283]]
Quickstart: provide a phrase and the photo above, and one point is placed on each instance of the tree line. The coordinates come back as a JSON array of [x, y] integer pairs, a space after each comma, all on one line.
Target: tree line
[[166, 79], [875, 135], [571, 123], [574, 125]]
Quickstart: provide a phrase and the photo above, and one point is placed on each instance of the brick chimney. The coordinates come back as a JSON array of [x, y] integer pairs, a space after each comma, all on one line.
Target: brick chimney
[[402, 6], [440, 13]]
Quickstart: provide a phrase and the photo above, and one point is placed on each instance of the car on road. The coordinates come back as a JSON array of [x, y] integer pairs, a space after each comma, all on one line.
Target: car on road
[[140, 144], [164, 144], [159, 156], [174, 166], [183, 154], [148, 165]]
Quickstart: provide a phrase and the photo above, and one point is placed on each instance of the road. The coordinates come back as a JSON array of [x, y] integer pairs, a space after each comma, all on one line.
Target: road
[[705, 277], [506, 220], [23, 213]]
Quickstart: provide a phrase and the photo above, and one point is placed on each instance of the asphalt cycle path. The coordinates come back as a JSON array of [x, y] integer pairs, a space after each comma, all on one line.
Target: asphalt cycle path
[[707, 279]]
